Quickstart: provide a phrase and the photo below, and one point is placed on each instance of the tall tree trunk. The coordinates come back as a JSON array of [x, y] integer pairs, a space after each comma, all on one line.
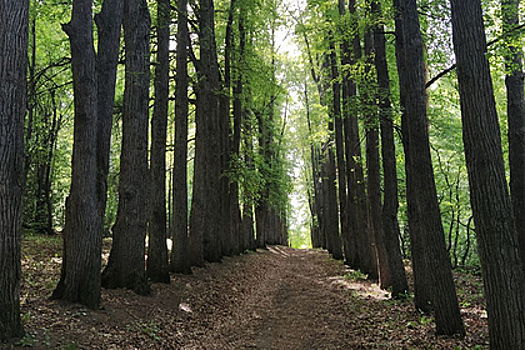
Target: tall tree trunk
[[398, 281], [422, 287], [425, 208], [348, 90], [80, 274], [356, 191], [339, 144], [315, 199], [180, 255], [109, 23], [14, 16], [205, 217], [126, 265], [229, 243], [157, 264], [516, 118], [491, 204], [331, 210], [235, 211], [373, 195]]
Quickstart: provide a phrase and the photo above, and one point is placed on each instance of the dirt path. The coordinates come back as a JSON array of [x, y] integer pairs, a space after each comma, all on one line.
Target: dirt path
[[276, 299]]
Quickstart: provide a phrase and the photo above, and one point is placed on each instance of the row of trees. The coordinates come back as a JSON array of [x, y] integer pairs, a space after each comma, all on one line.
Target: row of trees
[[226, 140], [354, 194]]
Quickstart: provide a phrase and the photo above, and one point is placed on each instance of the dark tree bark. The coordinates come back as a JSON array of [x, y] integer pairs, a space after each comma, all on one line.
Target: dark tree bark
[[398, 282], [238, 90], [157, 264], [357, 207], [491, 205], [205, 217], [247, 223], [339, 143], [330, 210], [422, 287], [14, 19], [80, 274], [315, 199], [349, 235], [425, 208], [109, 23], [126, 265], [229, 241], [180, 257], [516, 119], [373, 180]]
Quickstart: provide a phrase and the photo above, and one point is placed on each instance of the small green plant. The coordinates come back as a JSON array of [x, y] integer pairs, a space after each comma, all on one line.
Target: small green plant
[[424, 320], [151, 329], [28, 341], [356, 275], [70, 346], [26, 318]]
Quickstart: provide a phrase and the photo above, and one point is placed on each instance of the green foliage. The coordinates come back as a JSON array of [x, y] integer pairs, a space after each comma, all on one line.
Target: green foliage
[[355, 275]]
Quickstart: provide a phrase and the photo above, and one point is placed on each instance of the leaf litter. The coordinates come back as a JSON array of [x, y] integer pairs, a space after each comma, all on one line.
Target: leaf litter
[[280, 298]]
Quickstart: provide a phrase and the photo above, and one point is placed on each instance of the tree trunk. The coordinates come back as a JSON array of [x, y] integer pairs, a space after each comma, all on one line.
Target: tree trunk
[[369, 92], [109, 23], [80, 274], [229, 243], [516, 118], [14, 17], [235, 211], [157, 264], [425, 208], [348, 90], [339, 144], [422, 288], [373, 195], [126, 265], [205, 217], [180, 255], [356, 205], [398, 281], [491, 205]]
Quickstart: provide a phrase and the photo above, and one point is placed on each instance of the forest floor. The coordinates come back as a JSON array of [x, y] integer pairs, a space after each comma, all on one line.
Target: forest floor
[[281, 298]]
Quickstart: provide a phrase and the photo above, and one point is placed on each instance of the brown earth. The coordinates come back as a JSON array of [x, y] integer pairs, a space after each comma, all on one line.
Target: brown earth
[[276, 299]]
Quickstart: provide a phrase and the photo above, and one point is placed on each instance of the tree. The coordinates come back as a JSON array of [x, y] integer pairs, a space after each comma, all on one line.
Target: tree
[[109, 23], [491, 205], [424, 208], [180, 258], [205, 215], [229, 242], [14, 16], [339, 145], [516, 117], [398, 280], [80, 275], [235, 144], [357, 206], [157, 264], [126, 266]]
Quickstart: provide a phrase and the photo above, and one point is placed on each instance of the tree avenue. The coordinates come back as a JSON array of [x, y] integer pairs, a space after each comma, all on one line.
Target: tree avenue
[[155, 138]]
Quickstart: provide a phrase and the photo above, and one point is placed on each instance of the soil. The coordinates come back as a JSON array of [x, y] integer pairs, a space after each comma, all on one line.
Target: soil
[[279, 298]]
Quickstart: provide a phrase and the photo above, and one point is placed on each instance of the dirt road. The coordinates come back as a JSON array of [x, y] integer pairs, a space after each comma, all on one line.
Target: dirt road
[[277, 299]]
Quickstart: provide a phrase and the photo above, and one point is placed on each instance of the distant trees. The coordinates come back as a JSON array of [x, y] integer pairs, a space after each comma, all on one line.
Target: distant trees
[[14, 16]]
